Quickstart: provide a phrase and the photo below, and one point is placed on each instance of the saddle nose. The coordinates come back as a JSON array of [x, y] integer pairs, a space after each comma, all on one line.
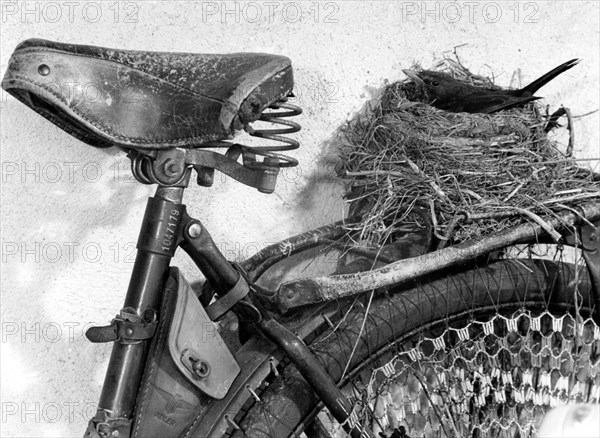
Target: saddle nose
[[145, 100]]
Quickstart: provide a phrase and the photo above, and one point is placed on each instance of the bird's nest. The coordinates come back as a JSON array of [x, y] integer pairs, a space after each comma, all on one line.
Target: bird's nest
[[408, 164]]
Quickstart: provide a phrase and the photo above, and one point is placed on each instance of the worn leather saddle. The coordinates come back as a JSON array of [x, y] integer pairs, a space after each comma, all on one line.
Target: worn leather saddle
[[145, 100]]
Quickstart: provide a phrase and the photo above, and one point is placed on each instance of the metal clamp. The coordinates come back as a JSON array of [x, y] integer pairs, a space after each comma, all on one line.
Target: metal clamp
[[103, 425], [126, 328]]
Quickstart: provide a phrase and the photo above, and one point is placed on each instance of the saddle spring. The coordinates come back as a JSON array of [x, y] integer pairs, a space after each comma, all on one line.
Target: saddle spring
[[269, 153], [153, 169]]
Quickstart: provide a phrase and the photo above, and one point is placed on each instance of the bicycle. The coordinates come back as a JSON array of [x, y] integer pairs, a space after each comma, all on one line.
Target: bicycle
[[451, 342]]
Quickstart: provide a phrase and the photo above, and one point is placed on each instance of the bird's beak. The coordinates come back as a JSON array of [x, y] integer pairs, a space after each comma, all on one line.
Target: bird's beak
[[413, 75]]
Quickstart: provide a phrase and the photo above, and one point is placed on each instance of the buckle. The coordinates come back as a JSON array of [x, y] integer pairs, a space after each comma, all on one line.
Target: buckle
[[126, 328]]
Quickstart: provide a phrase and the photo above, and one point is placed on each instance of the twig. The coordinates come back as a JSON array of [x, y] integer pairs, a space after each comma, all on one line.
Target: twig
[[434, 223], [362, 329], [585, 114], [433, 185], [461, 216], [541, 222], [566, 160], [377, 172], [340, 286], [468, 141], [572, 198], [571, 129], [472, 217], [521, 184]]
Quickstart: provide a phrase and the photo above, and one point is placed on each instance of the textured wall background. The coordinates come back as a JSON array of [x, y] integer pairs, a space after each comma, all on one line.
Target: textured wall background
[[70, 213]]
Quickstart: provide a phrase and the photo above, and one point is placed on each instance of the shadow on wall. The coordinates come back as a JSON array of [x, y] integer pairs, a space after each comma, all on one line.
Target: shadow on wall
[[59, 195], [62, 172], [325, 190]]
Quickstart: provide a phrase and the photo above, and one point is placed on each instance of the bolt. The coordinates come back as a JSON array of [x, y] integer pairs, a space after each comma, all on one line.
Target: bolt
[[195, 230], [291, 294], [201, 369], [103, 430], [129, 331], [171, 168], [593, 236]]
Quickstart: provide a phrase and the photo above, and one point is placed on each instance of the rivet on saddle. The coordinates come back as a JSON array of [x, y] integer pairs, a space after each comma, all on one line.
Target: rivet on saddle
[[162, 107]]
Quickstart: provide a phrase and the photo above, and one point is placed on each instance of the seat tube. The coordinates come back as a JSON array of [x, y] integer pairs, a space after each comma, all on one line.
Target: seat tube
[[156, 246]]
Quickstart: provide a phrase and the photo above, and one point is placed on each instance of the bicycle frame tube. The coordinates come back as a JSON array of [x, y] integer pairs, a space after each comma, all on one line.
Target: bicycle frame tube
[[156, 246]]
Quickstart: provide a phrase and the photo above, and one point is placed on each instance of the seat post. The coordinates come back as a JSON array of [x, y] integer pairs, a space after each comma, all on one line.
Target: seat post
[[171, 194], [156, 246]]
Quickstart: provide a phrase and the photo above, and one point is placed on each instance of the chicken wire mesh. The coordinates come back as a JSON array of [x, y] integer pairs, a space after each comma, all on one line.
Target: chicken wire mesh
[[487, 379]]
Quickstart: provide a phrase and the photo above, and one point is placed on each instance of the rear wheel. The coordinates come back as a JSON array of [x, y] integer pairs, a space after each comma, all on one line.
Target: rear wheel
[[480, 353]]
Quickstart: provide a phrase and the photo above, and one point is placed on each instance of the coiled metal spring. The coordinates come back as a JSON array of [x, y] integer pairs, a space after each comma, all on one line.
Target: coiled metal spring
[[289, 144], [271, 157], [168, 167]]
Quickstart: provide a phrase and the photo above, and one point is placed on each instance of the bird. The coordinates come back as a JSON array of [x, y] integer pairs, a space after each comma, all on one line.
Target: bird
[[446, 93]]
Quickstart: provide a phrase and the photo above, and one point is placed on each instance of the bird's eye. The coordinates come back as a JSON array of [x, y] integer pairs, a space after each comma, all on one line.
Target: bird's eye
[[435, 83]]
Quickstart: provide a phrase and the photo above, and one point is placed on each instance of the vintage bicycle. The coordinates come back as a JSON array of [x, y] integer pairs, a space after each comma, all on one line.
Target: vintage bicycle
[[453, 342]]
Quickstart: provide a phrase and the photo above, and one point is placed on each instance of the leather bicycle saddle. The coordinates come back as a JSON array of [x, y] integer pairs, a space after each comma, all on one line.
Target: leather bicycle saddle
[[145, 100]]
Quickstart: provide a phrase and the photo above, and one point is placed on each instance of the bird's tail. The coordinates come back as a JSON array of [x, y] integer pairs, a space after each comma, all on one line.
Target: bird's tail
[[544, 79]]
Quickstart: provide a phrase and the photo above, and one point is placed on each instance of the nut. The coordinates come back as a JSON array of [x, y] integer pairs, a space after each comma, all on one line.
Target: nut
[[171, 168]]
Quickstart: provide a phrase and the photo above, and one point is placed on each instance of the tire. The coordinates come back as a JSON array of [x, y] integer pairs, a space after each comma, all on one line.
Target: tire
[[402, 328]]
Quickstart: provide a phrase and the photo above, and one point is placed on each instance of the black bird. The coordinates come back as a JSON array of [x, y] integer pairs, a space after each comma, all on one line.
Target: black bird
[[446, 93]]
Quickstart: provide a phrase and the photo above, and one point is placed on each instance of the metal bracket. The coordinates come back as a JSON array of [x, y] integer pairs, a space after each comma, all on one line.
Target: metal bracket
[[126, 328], [230, 284], [196, 241], [261, 176], [103, 426], [171, 167]]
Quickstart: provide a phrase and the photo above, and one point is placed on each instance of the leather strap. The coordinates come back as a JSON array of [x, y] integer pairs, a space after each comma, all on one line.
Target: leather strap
[[227, 301], [123, 330]]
